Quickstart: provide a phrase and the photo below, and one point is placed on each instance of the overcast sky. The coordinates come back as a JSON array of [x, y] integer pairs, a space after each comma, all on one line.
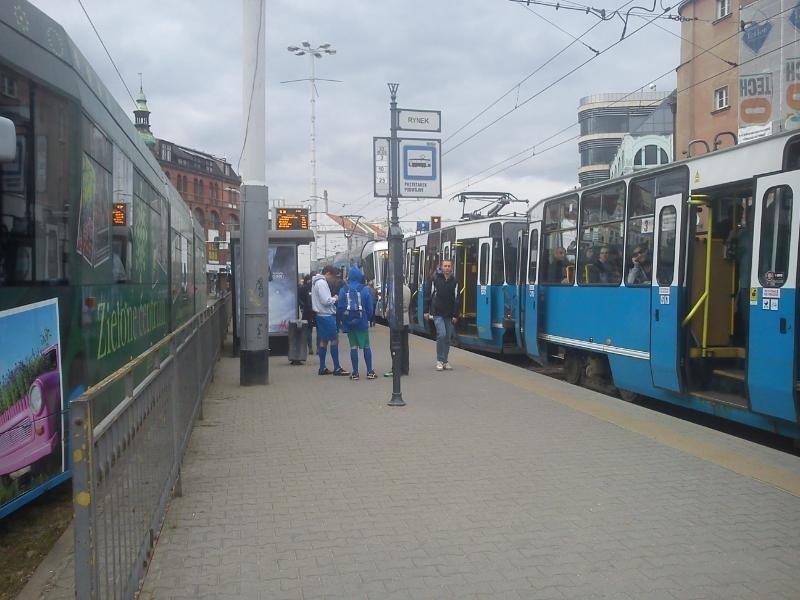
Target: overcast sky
[[457, 56]]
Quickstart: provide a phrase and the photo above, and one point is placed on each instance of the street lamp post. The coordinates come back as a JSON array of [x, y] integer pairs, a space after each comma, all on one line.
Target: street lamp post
[[313, 52]]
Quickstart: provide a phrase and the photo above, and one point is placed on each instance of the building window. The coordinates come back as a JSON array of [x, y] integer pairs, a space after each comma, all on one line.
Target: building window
[[214, 220], [8, 87], [166, 152], [650, 156], [723, 8], [199, 217], [721, 98]]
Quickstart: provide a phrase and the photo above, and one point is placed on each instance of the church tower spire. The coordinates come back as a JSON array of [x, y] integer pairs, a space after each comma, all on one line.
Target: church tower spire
[[142, 116]]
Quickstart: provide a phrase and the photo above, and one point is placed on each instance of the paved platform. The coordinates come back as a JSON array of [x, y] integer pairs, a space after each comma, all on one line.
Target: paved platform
[[493, 482]]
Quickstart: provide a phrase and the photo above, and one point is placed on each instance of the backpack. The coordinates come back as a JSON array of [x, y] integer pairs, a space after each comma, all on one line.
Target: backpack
[[354, 310]]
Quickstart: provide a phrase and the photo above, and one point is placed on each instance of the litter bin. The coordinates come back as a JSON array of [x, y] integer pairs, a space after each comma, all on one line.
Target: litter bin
[[298, 349]]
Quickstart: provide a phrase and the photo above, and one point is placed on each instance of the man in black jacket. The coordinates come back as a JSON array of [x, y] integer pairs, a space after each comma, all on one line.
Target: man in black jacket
[[441, 305]]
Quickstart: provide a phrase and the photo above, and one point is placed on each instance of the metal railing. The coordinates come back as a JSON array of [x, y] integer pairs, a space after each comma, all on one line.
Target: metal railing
[[126, 467]]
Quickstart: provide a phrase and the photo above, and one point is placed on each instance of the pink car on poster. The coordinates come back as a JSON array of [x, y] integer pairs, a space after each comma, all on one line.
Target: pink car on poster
[[30, 428]]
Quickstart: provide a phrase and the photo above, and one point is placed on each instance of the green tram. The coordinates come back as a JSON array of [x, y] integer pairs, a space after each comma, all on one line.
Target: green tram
[[87, 217]]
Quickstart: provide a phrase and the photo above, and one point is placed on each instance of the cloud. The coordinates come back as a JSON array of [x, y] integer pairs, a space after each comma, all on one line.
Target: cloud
[[457, 57]]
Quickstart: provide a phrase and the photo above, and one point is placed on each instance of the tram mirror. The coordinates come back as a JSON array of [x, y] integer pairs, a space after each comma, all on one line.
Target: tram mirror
[[8, 140]]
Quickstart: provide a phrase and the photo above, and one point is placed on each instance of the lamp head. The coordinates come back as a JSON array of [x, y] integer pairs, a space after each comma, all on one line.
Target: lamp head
[[293, 48], [305, 45]]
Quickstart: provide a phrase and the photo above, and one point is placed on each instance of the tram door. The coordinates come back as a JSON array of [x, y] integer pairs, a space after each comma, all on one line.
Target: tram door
[[484, 299], [772, 347], [529, 295], [666, 293], [421, 283]]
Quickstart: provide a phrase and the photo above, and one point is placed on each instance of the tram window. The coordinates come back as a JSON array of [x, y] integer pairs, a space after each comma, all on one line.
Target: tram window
[[776, 219], [483, 278], [641, 222], [667, 238], [534, 256], [559, 239], [599, 260], [34, 187], [511, 237], [498, 266]]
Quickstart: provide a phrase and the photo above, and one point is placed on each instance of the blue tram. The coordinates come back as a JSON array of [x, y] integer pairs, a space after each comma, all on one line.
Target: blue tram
[[678, 283], [486, 251], [87, 217], [375, 264]]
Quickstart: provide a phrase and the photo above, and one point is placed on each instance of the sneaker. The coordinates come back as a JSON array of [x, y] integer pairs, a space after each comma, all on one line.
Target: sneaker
[[340, 372], [324, 371], [447, 366], [372, 375], [439, 366], [389, 374], [354, 377]]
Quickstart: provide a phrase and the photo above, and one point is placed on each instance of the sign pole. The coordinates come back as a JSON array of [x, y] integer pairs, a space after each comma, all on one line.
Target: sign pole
[[395, 254]]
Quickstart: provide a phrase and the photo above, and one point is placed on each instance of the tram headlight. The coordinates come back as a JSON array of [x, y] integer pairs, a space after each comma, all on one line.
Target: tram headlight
[[35, 398]]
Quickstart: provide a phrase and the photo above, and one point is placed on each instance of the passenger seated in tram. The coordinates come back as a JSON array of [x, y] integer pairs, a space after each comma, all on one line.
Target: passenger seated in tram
[[641, 272], [603, 270], [558, 269]]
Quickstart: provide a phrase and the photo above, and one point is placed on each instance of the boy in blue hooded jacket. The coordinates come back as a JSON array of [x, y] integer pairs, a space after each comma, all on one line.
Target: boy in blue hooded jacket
[[356, 309]]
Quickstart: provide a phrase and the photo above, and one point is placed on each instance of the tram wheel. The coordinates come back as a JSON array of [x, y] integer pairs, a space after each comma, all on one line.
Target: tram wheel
[[573, 368], [629, 396]]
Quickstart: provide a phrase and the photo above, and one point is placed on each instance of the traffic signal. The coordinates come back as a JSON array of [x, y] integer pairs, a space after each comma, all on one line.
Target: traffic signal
[[436, 222]]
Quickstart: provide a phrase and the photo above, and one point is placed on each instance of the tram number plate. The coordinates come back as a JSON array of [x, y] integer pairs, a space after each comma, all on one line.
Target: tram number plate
[[663, 299]]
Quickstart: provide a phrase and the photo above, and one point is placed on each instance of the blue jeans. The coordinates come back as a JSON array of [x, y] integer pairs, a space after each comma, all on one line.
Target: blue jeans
[[444, 331]]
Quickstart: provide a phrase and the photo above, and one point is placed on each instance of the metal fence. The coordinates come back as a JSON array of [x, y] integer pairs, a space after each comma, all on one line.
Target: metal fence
[[126, 467]]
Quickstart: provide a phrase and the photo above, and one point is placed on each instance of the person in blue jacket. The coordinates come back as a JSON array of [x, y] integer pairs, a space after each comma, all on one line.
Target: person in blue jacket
[[356, 309]]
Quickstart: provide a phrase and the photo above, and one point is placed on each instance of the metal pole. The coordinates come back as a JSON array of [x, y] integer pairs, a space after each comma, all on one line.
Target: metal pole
[[254, 354], [314, 201], [395, 254]]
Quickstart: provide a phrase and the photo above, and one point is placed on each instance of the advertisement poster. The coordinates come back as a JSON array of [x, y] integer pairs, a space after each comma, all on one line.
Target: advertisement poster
[[769, 80], [94, 219], [31, 403], [282, 287]]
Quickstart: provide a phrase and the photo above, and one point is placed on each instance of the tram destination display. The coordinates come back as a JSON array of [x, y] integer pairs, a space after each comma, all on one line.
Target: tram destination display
[[291, 219]]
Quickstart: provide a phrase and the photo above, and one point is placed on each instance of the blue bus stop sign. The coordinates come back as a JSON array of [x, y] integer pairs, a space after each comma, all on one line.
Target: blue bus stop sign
[[423, 226]]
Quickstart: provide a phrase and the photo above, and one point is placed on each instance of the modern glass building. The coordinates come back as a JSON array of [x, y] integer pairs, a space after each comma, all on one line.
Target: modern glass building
[[605, 119]]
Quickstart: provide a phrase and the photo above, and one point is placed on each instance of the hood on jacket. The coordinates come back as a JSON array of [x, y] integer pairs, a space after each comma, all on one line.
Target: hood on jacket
[[355, 276], [316, 278]]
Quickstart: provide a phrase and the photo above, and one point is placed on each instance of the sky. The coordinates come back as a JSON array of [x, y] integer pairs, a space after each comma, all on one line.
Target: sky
[[25, 327], [507, 78]]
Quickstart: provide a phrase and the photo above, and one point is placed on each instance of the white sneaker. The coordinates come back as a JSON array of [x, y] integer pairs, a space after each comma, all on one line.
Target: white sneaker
[[447, 366], [439, 366]]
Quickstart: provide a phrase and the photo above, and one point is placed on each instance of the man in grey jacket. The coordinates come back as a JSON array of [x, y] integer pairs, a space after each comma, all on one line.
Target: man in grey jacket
[[324, 305]]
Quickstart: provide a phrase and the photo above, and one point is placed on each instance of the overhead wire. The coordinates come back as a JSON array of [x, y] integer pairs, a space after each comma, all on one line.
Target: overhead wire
[[532, 73], [253, 83], [103, 44], [545, 89], [531, 149], [518, 85]]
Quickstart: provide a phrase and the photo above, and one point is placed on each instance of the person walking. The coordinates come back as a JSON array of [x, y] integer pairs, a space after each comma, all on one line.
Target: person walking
[[355, 308], [324, 305], [441, 304]]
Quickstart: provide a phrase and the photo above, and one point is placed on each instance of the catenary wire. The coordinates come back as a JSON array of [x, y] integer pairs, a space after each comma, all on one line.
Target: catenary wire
[[103, 44]]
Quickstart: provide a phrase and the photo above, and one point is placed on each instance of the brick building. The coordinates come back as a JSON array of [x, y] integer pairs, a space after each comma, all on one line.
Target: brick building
[[739, 72], [208, 185]]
